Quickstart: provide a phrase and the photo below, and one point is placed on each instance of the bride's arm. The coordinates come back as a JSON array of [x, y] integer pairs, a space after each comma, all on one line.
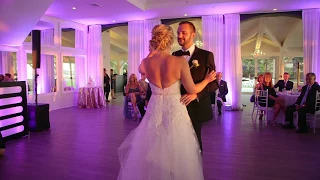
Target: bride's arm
[[141, 68], [187, 80]]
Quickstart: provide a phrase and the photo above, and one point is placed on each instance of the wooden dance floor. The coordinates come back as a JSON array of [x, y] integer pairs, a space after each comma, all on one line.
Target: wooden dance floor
[[82, 145]]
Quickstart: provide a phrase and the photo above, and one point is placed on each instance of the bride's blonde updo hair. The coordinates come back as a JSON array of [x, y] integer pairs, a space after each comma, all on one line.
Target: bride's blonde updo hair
[[162, 37]]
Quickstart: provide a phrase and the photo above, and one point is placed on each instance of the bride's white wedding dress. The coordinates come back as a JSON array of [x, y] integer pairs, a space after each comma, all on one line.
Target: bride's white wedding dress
[[164, 146]]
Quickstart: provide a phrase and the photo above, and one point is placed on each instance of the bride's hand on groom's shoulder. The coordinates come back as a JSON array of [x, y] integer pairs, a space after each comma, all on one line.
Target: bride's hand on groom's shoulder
[[188, 98], [211, 76]]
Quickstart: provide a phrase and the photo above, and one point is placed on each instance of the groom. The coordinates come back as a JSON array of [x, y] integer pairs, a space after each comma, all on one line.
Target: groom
[[198, 105]]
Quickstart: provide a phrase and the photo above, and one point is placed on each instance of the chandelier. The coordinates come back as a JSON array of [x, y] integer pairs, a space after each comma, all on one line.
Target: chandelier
[[257, 53], [199, 44]]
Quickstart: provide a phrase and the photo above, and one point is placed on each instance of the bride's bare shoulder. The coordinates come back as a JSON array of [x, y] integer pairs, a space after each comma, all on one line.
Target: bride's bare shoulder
[[178, 59]]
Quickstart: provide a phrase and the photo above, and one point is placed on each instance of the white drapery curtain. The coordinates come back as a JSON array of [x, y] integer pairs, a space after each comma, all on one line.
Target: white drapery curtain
[[221, 36], [46, 78], [94, 58], [22, 64], [80, 61], [233, 63], [213, 38], [6, 63], [138, 38], [311, 39]]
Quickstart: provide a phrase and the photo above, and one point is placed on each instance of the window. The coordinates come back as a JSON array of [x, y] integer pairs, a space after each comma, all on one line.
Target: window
[[69, 75]]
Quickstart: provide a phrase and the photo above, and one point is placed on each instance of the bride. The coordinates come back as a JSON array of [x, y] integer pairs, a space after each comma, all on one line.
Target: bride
[[164, 146]]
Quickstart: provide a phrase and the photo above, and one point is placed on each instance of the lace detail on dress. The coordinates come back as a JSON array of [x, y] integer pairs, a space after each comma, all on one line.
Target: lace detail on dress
[[164, 146]]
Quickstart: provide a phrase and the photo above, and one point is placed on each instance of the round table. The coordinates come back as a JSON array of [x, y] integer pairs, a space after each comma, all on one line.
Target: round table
[[288, 99], [91, 97]]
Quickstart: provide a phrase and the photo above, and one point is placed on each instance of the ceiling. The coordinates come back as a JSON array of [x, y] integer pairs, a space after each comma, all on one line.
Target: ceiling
[[272, 35], [110, 12]]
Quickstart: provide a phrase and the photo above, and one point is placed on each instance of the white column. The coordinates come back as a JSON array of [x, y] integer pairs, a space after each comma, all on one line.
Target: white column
[[233, 64], [106, 50], [311, 38]]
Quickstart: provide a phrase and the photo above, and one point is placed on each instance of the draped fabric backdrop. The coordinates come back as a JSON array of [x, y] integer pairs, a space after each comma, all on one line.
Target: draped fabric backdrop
[[6, 63], [94, 58], [80, 62], [223, 40], [22, 64], [46, 78], [311, 41], [138, 39], [233, 63], [213, 38]]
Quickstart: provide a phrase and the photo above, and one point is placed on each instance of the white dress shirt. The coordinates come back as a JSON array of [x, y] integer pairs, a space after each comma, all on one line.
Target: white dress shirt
[[191, 50]]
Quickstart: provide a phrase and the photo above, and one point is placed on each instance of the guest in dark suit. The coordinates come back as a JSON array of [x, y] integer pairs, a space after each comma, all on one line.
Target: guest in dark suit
[[285, 83], [106, 84], [223, 91], [304, 104], [200, 62], [2, 146], [144, 103]]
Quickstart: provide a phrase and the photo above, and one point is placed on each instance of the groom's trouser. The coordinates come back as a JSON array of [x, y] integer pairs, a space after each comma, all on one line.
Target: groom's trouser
[[197, 128]]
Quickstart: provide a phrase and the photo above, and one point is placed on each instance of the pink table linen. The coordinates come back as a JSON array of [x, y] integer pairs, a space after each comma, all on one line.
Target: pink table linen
[[91, 97]]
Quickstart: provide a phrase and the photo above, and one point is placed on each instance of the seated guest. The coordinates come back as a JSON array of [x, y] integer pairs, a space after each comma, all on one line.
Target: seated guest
[[285, 83], [304, 104], [2, 147], [259, 83], [8, 78], [144, 103], [223, 91], [273, 100], [143, 84], [133, 93]]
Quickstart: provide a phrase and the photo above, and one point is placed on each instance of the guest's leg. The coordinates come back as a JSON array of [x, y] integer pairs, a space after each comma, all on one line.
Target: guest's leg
[[302, 123], [134, 102], [141, 105], [107, 96], [219, 104], [276, 112], [112, 94], [197, 128], [289, 116]]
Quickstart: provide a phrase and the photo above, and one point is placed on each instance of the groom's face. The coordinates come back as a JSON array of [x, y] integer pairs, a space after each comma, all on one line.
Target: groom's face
[[185, 35]]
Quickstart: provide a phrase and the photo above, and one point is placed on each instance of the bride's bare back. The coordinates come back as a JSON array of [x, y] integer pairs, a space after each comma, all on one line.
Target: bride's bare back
[[162, 69]]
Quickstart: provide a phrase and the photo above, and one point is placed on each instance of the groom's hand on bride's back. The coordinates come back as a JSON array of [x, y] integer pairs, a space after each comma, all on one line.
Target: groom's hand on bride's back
[[188, 98]]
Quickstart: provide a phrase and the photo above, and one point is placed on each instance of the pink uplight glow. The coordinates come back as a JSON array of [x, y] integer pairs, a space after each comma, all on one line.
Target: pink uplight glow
[[9, 111], [14, 120], [12, 131], [10, 90], [11, 100]]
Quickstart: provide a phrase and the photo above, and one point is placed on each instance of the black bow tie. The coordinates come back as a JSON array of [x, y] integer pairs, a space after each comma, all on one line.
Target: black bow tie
[[184, 53]]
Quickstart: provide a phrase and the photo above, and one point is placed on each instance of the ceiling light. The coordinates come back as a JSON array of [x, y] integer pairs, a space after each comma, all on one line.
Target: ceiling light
[[275, 9], [185, 14], [74, 8]]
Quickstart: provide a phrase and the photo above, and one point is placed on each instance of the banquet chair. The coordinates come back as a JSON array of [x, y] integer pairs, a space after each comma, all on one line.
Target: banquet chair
[[128, 107], [312, 118], [261, 100]]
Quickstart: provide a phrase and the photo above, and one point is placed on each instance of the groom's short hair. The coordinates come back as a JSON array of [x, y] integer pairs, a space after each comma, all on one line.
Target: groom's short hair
[[193, 28]]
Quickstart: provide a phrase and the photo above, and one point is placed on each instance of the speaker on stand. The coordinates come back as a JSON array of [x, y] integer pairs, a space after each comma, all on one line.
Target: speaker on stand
[[38, 113]]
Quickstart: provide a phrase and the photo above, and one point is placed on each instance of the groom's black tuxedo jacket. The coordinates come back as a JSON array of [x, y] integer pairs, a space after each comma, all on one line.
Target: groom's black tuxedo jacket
[[201, 111]]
